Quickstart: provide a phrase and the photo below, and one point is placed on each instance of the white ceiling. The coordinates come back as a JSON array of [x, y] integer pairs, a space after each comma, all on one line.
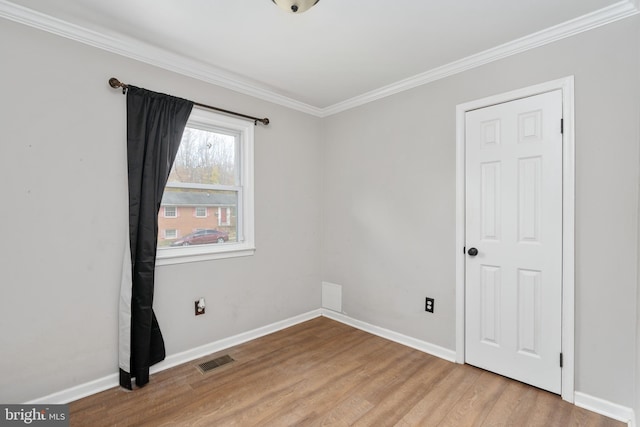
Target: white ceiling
[[337, 54]]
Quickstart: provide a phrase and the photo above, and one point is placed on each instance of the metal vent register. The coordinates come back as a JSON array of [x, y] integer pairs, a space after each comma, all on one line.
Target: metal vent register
[[215, 363]]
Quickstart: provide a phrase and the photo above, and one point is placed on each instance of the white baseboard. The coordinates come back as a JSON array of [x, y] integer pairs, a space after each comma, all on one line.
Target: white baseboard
[[214, 347], [77, 392], [423, 346], [606, 408], [582, 400], [110, 381], [597, 405]]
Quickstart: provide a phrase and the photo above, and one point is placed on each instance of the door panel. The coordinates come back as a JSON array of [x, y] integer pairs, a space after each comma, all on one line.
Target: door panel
[[490, 197], [490, 305], [513, 286]]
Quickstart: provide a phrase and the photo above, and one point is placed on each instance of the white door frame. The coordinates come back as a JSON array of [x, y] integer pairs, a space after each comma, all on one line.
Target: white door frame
[[568, 218]]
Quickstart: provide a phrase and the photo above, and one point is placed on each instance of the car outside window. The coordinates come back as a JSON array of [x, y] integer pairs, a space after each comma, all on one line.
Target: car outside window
[[212, 172]]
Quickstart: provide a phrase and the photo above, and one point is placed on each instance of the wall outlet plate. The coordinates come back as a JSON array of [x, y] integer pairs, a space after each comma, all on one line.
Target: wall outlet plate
[[199, 310], [429, 304]]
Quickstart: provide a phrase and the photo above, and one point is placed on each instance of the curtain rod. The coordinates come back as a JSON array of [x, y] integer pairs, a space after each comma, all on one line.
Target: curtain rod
[[115, 83]]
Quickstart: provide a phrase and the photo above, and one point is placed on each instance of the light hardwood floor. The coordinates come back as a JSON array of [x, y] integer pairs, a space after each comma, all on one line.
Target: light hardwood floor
[[322, 372]]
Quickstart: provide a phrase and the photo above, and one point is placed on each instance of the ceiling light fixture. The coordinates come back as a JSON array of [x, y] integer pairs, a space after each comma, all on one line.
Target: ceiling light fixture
[[295, 6]]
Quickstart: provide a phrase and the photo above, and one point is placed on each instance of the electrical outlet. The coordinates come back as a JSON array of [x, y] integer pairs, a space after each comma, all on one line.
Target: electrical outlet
[[429, 304], [199, 306]]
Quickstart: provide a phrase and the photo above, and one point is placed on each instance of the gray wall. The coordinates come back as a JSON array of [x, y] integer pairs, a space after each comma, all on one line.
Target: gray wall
[[64, 218], [389, 188], [365, 198]]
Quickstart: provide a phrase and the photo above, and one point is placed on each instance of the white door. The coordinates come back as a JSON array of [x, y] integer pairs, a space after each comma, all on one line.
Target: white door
[[513, 283]]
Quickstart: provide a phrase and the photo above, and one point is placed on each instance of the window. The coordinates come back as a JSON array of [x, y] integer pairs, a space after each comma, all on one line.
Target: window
[[224, 216], [201, 212], [212, 176], [170, 233], [170, 212]]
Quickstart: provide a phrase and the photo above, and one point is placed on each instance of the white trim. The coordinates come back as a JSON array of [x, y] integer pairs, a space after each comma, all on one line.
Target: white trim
[[606, 408], [568, 219], [568, 240], [598, 18], [582, 400], [78, 392], [423, 346], [245, 246], [149, 54], [110, 381], [153, 55], [197, 253], [195, 353]]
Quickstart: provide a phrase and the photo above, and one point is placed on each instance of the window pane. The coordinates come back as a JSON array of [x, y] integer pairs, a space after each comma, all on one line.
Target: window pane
[[219, 225], [170, 211], [209, 192], [206, 157]]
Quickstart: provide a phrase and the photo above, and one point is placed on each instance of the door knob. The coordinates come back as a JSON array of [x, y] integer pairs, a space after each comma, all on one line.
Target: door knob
[[472, 252]]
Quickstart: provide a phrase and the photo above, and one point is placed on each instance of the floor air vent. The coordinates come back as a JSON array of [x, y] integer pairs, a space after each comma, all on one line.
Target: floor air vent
[[215, 363]]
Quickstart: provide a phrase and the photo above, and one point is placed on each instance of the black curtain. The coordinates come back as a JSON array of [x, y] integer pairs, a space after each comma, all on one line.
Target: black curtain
[[155, 123]]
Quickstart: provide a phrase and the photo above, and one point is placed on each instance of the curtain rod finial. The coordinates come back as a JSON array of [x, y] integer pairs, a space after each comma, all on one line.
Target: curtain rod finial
[[114, 83]]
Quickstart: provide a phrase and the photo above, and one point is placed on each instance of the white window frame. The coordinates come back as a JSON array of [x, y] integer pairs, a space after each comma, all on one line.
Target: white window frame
[[166, 234], [245, 246], [206, 212], [175, 208]]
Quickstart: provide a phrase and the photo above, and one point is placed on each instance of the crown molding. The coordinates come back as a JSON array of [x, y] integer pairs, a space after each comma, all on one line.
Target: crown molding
[[598, 18], [162, 58], [147, 53]]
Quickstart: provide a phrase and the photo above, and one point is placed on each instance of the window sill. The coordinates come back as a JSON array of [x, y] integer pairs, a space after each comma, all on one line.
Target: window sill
[[170, 256]]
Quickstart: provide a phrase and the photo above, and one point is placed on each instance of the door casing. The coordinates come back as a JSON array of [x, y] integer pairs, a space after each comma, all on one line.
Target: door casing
[[568, 218]]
